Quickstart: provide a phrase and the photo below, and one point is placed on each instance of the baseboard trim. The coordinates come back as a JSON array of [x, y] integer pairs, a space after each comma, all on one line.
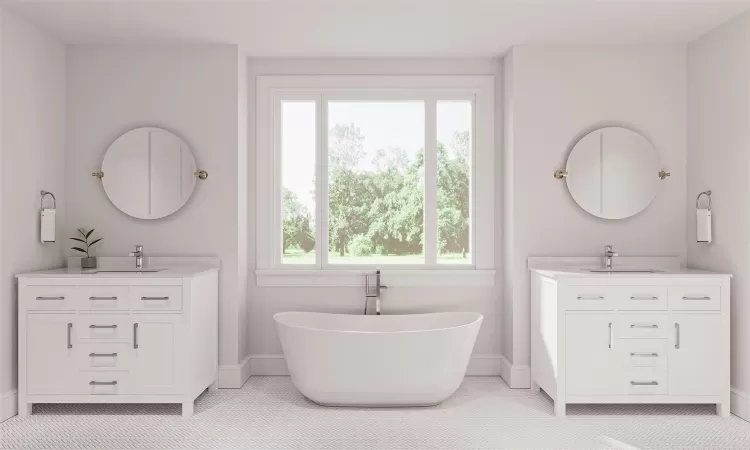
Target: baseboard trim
[[234, 376], [275, 365], [516, 376], [8, 405], [740, 404]]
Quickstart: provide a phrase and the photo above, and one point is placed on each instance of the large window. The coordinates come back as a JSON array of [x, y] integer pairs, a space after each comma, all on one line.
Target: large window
[[362, 177]]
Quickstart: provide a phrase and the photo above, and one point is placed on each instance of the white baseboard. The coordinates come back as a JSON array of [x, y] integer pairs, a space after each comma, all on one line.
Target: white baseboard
[[740, 404], [270, 365], [234, 376], [8, 405], [516, 376]]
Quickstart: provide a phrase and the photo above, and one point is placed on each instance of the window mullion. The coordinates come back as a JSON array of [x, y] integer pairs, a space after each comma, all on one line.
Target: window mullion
[[430, 183], [321, 225]]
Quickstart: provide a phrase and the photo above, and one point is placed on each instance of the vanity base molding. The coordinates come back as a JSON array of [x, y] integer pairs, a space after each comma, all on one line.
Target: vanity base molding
[[661, 338], [95, 338]]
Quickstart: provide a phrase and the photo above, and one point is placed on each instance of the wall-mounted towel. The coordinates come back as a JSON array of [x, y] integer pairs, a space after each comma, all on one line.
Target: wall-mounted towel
[[703, 225]]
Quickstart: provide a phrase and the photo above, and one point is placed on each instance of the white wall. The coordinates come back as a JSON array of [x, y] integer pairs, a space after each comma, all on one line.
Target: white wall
[[194, 91], [32, 139], [719, 159], [556, 95], [265, 349]]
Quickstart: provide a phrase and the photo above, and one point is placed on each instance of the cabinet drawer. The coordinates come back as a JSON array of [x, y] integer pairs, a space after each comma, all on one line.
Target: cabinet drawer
[[93, 356], [104, 298], [50, 298], [155, 298], [639, 298], [695, 298], [645, 381], [630, 326], [589, 298], [104, 326], [103, 383], [643, 353]]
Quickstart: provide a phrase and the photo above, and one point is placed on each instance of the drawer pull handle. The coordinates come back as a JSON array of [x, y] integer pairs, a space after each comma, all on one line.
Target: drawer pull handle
[[590, 297], [154, 298], [644, 298], [102, 326], [696, 298], [94, 355], [677, 336], [135, 335], [102, 298], [70, 343], [645, 355], [103, 383], [50, 298], [635, 325], [610, 335], [644, 383]]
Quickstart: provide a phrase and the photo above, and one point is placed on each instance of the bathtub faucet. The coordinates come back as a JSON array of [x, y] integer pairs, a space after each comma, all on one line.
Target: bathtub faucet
[[373, 292]]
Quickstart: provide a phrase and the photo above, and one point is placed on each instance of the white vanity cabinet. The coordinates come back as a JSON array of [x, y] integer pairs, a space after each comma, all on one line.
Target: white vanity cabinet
[[117, 337], [630, 337]]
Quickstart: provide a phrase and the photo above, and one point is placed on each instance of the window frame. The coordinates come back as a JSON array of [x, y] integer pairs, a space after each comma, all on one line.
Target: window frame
[[273, 90]]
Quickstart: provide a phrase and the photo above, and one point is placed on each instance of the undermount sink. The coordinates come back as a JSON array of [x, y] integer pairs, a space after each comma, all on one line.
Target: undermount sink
[[623, 271], [129, 271]]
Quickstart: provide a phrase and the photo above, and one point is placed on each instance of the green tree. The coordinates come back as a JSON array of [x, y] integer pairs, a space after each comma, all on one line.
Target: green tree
[[454, 194], [297, 225]]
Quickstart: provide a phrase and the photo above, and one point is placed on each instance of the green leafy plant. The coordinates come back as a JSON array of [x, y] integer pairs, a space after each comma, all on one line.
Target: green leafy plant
[[85, 241]]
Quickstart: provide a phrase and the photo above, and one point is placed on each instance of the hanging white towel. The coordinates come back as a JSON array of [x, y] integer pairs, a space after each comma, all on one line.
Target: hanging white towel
[[703, 225], [47, 228]]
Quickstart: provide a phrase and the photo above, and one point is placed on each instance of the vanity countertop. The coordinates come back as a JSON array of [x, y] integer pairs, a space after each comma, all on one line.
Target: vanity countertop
[[579, 272], [168, 267]]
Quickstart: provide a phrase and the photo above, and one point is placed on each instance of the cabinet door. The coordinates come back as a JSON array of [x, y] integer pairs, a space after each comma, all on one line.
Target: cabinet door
[[157, 346], [50, 359], [696, 355], [590, 359]]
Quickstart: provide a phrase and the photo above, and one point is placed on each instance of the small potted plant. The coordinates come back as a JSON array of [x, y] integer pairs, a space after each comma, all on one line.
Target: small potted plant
[[87, 262]]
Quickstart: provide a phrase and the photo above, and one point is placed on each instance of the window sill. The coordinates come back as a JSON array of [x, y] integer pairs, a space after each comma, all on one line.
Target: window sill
[[390, 278]]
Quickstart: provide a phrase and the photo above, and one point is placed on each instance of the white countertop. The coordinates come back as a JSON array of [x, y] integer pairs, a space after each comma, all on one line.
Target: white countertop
[[580, 267], [167, 267]]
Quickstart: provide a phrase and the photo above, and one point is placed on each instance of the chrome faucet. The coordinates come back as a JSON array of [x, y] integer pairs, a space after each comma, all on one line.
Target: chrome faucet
[[138, 253], [609, 253], [373, 293]]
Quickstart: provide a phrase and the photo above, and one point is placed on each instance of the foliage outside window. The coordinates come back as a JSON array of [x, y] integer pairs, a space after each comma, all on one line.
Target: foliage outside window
[[373, 161]]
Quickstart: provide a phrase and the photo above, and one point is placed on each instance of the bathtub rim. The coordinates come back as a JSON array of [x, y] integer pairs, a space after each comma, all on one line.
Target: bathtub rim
[[477, 319]]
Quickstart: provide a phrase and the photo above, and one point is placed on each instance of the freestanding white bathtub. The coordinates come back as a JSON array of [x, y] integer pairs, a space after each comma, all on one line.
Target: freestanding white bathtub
[[378, 361]]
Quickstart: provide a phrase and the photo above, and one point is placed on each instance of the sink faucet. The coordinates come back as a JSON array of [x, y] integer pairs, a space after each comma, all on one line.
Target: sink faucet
[[138, 253], [373, 293], [609, 253]]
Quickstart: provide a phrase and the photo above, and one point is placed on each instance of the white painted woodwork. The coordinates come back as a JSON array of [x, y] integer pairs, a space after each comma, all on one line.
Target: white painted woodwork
[[109, 338], [629, 337]]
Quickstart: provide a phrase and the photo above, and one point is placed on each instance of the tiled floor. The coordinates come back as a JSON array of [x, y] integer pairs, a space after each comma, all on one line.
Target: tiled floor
[[269, 413]]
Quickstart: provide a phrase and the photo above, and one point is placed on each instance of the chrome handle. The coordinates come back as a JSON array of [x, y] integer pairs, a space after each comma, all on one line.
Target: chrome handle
[[102, 326], [635, 325], [644, 383], [593, 297], [103, 383], [70, 327], [50, 298], [677, 336], [610, 335], [102, 298], [92, 355], [645, 355], [644, 298], [154, 298], [696, 298], [135, 335]]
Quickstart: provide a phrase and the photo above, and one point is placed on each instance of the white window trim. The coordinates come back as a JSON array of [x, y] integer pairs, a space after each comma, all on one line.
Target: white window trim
[[269, 271]]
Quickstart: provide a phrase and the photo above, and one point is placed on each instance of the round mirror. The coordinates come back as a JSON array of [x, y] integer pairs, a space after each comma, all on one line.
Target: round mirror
[[148, 173], [613, 173]]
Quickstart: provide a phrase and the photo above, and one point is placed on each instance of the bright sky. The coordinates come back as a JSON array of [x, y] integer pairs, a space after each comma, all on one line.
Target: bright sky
[[384, 124]]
